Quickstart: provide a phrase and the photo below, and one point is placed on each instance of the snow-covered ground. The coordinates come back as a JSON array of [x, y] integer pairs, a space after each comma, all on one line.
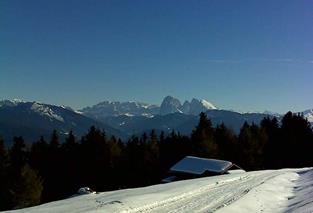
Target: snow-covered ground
[[287, 190]]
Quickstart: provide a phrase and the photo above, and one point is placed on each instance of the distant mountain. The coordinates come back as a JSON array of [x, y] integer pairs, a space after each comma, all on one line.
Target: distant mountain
[[139, 124], [122, 119], [169, 105], [108, 108], [32, 120], [173, 105], [308, 114], [136, 118], [180, 122], [196, 106]]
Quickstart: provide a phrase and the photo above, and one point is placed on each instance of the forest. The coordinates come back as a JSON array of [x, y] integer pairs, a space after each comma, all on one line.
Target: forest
[[50, 169]]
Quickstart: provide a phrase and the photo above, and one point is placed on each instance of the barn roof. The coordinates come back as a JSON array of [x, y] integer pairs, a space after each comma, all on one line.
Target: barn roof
[[198, 166]]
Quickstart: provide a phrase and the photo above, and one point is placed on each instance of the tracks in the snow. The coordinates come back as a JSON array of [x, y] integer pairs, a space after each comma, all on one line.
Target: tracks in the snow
[[207, 198]]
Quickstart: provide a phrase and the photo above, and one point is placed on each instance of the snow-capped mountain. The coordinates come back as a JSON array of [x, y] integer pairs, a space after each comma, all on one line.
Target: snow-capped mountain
[[13, 102], [46, 111], [196, 106], [131, 108], [173, 105], [170, 105], [32, 120], [308, 114], [122, 119]]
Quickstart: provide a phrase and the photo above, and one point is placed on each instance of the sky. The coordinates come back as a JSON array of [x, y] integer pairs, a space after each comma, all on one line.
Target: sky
[[244, 55]]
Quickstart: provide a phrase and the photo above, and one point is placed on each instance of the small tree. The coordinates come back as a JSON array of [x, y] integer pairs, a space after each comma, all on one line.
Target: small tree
[[27, 190]]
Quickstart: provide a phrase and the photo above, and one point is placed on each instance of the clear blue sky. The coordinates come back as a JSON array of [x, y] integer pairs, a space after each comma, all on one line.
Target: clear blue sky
[[244, 55]]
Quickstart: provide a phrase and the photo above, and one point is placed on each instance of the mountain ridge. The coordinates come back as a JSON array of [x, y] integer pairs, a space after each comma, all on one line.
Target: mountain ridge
[[169, 105], [122, 119]]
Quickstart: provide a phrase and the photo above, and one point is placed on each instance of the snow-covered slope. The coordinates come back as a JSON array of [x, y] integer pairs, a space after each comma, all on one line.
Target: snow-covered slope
[[46, 111], [288, 190], [197, 106], [130, 108], [308, 114]]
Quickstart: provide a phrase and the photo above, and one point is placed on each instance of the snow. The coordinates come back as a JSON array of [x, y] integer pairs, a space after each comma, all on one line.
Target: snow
[[302, 189], [207, 104], [308, 114], [45, 111], [129, 114], [287, 190], [147, 115], [10, 103], [198, 166]]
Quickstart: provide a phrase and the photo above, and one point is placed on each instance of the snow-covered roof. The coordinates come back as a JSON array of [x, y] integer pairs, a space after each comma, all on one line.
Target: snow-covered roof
[[195, 165]]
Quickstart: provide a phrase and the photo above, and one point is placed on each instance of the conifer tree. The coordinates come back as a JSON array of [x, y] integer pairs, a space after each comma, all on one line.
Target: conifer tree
[[226, 141], [203, 138], [4, 180], [27, 189]]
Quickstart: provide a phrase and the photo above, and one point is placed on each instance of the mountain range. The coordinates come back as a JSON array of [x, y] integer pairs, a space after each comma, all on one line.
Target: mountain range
[[122, 119], [32, 120], [131, 108]]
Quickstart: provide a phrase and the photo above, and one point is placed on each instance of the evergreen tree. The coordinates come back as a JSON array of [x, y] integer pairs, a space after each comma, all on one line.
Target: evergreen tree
[[298, 141], [203, 138], [54, 142], [4, 180], [94, 152], [70, 165], [3, 158], [151, 158], [272, 148], [226, 141], [26, 191], [18, 156]]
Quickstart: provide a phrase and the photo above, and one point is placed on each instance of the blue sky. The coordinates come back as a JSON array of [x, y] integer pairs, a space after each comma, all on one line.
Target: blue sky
[[244, 55]]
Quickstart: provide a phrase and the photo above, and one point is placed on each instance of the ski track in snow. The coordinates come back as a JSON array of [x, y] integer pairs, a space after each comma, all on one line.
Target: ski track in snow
[[208, 198]]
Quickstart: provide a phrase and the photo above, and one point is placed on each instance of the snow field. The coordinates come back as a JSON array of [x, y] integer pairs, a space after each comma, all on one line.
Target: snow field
[[287, 190]]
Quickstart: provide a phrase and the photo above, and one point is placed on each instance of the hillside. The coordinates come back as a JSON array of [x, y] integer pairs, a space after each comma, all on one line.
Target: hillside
[[286, 190]]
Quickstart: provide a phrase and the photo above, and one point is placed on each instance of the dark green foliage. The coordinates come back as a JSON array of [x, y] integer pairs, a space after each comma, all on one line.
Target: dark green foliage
[[21, 186], [4, 179], [55, 170], [297, 136], [26, 189], [273, 148], [251, 143], [203, 138], [227, 142]]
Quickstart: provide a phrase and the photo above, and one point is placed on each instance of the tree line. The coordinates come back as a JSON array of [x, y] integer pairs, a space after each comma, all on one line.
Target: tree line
[[50, 169]]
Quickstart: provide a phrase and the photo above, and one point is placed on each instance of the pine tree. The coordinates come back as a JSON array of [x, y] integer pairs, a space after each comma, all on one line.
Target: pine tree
[[298, 143], [274, 143], [4, 180], [17, 155], [203, 138], [54, 142], [26, 191], [226, 141]]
